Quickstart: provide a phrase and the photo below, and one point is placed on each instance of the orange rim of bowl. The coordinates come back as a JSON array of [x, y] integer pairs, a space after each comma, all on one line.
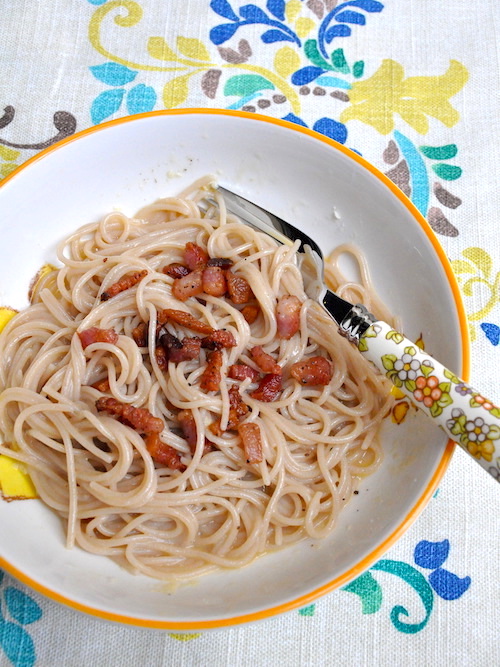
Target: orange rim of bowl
[[374, 555]]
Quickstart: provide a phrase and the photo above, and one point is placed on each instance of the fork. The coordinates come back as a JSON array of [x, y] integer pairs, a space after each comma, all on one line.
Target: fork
[[464, 414]]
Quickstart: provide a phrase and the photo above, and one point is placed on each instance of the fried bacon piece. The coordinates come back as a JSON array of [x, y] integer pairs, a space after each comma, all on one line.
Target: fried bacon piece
[[102, 385], [175, 270], [170, 342], [140, 334], [238, 408], [265, 361], [185, 320], [176, 350], [252, 441], [138, 418], [216, 429], [190, 285], [188, 427], [124, 283], [238, 288], [214, 281], [96, 335], [211, 376], [288, 316], [161, 357], [242, 372], [162, 453], [189, 431], [223, 262], [218, 339], [250, 313], [268, 389], [313, 371], [190, 349], [194, 256]]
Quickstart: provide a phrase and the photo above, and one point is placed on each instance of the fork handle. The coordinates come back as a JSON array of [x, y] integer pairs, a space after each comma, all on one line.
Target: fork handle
[[465, 415]]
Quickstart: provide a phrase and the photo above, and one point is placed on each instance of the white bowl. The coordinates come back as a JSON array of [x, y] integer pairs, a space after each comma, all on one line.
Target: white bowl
[[307, 179]]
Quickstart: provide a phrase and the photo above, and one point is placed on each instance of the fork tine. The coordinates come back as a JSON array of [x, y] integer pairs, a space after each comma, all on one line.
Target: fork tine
[[267, 222]]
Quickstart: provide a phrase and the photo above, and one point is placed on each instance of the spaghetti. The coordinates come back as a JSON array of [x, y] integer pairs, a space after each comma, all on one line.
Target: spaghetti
[[182, 443]]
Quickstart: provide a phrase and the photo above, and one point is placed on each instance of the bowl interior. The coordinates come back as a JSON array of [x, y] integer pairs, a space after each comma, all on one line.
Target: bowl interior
[[336, 198]]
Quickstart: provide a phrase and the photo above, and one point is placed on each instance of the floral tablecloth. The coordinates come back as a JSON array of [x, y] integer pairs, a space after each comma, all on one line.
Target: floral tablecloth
[[413, 86]]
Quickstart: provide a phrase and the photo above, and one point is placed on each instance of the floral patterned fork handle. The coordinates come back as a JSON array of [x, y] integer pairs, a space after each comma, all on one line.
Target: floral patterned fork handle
[[464, 414]]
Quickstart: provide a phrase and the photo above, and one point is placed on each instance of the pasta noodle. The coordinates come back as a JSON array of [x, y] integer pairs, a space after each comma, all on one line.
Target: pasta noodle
[[229, 492]]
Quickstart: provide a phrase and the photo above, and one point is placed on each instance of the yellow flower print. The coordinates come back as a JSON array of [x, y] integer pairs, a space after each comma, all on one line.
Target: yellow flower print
[[375, 100], [303, 25]]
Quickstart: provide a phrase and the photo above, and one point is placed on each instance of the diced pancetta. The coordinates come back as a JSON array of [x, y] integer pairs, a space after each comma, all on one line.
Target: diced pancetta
[[123, 284], [311, 372], [238, 288], [218, 339], [194, 256], [96, 335], [268, 389], [265, 361], [162, 453], [288, 316], [242, 372], [214, 281], [187, 286], [184, 319], [138, 418], [211, 376], [251, 441]]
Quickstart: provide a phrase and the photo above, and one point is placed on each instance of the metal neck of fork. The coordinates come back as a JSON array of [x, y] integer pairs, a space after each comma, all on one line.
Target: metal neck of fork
[[355, 323]]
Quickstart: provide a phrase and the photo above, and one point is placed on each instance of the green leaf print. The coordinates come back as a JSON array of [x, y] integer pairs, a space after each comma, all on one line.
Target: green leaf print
[[448, 172], [339, 62], [411, 385], [388, 361], [395, 379], [312, 52], [448, 374], [395, 336], [426, 368], [246, 84], [440, 152], [445, 399], [369, 590], [436, 409], [358, 68], [456, 429], [362, 345]]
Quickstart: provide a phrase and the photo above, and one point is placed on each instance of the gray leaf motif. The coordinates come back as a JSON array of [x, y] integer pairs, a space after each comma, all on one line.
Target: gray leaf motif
[[340, 95], [8, 116], [391, 153], [210, 82], [439, 223], [237, 57], [317, 7], [400, 175], [446, 198], [330, 4]]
